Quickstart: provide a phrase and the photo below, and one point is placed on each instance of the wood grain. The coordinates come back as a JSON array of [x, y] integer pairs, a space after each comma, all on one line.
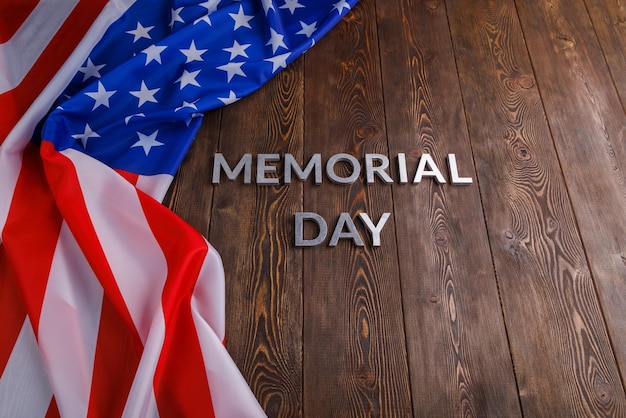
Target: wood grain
[[264, 272], [355, 353], [609, 23], [502, 298], [555, 323], [458, 351], [587, 124]]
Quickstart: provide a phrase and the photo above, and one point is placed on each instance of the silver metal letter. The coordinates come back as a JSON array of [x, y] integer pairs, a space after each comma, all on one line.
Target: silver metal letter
[[314, 163], [220, 162], [454, 172], [262, 169], [330, 168], [345, 219], [370, 169], [402, 168], [321, 224], [433, 172], [374, 229]]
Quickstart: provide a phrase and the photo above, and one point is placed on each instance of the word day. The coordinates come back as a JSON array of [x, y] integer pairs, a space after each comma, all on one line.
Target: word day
[[345, 229]]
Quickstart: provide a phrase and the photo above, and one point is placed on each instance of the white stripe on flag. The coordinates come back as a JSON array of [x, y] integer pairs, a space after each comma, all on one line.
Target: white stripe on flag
[[68, 328], [11, 148], [155, 186], [19, 54], [24, 387], [209, 294], [122, 228], [141, 401], [229, 391]]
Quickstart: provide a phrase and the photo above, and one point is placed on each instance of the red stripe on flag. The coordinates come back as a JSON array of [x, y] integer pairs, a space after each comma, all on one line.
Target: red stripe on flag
[[12, 16], [66, 189], [14, 103], [116, 361], [12, 310], [130, 177], [53, 409], [119, 347], [32, 227], [181, 387]]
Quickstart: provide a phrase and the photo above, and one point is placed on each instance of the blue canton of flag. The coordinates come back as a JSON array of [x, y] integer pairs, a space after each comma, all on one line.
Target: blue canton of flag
[[137, 101]]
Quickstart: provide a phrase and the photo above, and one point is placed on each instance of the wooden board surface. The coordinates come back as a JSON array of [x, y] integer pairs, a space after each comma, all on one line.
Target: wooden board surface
[[500, 298]]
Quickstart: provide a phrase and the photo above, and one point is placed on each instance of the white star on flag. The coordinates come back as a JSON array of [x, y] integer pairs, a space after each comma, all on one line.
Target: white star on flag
[[101, 96], [232, 69], [193, 54], [91, 70], [176, 17], [188, 78], [140, 32], [267, 5], [210, 5], [241, 19], [340, 5], [84, 137], [292, 5], [232, 98], [144, 94], [185, 104], [237, 50], [279, 61], [276, 40], [147, 141], [307, 30], [153, 53]]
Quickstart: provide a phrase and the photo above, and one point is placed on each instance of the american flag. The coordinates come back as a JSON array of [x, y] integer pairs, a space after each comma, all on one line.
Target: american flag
[[110, 305]]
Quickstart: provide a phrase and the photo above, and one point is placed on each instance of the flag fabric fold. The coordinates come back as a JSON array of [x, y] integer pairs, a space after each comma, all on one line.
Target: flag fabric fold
[[111, 305]]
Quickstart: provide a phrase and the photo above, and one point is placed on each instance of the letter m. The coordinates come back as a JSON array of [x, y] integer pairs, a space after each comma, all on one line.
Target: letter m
[[244, 164]]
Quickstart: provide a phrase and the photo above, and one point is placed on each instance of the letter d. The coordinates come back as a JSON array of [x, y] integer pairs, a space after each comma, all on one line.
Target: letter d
[[321, 224]]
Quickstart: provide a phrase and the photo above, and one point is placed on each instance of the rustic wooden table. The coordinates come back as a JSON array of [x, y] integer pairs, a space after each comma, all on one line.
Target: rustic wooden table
[[500, 298]]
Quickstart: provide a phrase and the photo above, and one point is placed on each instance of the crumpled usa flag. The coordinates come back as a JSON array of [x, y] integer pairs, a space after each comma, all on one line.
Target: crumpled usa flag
[[110, 304]]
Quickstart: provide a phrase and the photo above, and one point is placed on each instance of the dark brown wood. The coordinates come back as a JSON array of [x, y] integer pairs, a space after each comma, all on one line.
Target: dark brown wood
[[264, 272], [458, 351], [354, 348], [609, 22], [545, 283], [502, 298], [587, 124]]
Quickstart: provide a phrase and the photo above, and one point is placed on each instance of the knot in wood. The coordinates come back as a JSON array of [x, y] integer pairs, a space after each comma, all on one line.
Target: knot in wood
[[432, 5], [526, 82], [369, 131], [441, 239], [522, 153], [565, 42]]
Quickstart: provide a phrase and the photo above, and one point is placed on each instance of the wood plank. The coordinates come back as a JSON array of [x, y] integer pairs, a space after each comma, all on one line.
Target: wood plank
[[250, 229], [609, 21], [458, 351], [587, 123], [562, 354], [354, 347]]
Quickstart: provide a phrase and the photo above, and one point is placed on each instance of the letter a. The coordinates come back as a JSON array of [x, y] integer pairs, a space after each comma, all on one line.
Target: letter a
[[345, 219]]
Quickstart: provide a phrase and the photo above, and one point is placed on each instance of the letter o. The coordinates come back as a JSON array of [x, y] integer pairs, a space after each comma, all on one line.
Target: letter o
[[330, 168]]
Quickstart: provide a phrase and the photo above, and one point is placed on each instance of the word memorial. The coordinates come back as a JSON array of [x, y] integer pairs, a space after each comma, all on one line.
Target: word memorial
[[376, 168]]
